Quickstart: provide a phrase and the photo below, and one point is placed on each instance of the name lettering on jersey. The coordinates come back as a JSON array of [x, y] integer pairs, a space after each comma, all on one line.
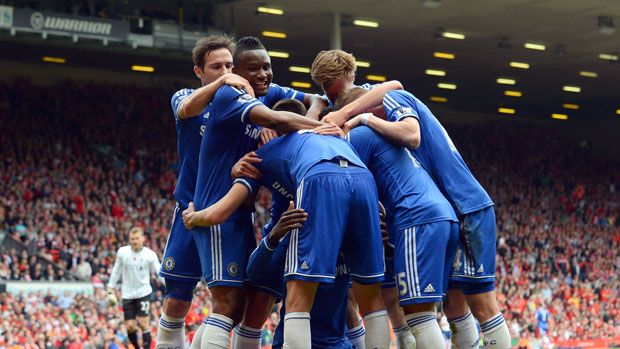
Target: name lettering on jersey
[[252, 131], [342, 269], [246, 98], [280, 189]]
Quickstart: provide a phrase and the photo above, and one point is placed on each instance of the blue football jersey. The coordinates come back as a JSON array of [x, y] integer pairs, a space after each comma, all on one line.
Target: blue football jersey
[[406, 190], [277, 93], [438, 155], [286, 159], [189, 136], [227, 137]]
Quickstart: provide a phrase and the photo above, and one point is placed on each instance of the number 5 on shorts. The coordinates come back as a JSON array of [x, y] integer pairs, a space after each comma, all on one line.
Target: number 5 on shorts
[[402, 284]]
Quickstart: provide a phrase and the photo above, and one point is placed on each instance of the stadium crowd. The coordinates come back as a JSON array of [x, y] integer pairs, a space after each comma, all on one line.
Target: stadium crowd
[[83, 161]]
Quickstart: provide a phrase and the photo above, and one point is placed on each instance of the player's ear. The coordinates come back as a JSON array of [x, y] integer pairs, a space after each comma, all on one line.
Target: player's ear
[[198, 72]]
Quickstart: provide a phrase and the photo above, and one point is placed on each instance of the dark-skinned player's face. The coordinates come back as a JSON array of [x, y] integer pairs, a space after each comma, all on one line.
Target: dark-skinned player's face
[[255, 67]]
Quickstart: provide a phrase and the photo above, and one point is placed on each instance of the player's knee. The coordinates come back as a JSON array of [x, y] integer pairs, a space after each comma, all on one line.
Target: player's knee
[[419, 307], [300, 295], [483, 305], [455, 304], [368, 297], [353, 317], [176, 308], [143, 323], [229, 301], [259, 308], [131, 326]]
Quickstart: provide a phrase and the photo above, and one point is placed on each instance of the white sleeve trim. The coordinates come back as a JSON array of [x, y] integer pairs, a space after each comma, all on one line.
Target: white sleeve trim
[[245, 111]]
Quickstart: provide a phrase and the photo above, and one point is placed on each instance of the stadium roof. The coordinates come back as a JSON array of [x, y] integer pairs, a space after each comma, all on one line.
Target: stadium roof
[[410, 32], [405, 43]]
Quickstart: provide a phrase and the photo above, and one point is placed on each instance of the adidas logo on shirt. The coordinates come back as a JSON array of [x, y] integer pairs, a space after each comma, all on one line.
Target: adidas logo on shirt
[[481, 269], [304, 265], [429, 288]]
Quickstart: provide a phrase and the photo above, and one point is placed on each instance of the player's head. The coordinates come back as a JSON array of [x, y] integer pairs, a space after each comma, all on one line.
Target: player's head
[[347, 96], [252, 62], [334, 71], [291, 105], [325, 111], [136, 238], [212, 57]]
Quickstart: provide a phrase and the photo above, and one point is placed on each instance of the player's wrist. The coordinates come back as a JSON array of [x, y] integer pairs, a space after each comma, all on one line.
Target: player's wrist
[[364, 118]]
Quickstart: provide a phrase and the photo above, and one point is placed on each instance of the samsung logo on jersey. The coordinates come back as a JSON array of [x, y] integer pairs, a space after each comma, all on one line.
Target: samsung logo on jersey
[[252, 132], [245, 98]]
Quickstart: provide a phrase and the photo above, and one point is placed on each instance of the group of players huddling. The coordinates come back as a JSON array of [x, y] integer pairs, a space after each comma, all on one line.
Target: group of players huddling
[[374, 212]]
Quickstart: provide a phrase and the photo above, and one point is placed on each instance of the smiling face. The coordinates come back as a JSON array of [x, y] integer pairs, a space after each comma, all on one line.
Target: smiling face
[[255, 66]]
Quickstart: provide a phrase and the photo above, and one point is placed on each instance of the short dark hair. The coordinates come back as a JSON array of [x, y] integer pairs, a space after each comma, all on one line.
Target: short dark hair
[[292, 105], [348, 96], [246, 43], [208, 44], [325, 111]]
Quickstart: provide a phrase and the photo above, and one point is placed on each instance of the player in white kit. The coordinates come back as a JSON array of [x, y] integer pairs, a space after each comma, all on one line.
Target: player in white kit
[[133, 267]]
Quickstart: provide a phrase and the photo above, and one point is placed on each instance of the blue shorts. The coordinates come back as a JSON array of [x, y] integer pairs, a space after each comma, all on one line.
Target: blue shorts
[[181, 261], [224, 250], [343, 215], [475, 258], [389, 280], [423, 259], [273, 283]]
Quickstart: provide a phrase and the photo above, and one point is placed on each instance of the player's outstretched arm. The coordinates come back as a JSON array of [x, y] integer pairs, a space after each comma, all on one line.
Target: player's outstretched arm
[[372, 99], [281, 121], [314, 105], [195, 103], [219, 211], [405, 133]]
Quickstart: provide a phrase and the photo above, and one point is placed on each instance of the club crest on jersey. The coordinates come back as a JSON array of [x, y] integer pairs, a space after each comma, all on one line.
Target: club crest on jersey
[[246, 98], [169, 263], [232, 269]]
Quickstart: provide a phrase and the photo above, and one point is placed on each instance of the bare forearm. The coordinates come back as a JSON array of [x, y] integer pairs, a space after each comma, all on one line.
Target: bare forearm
[[221, 210], [199, 99], [371, 99], [401, 133], [285, 122], [202, 218], [315, 106]]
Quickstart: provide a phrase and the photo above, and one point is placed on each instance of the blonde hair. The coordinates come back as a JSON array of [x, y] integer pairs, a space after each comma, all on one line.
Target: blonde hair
[[329, 66], [136, 230]]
